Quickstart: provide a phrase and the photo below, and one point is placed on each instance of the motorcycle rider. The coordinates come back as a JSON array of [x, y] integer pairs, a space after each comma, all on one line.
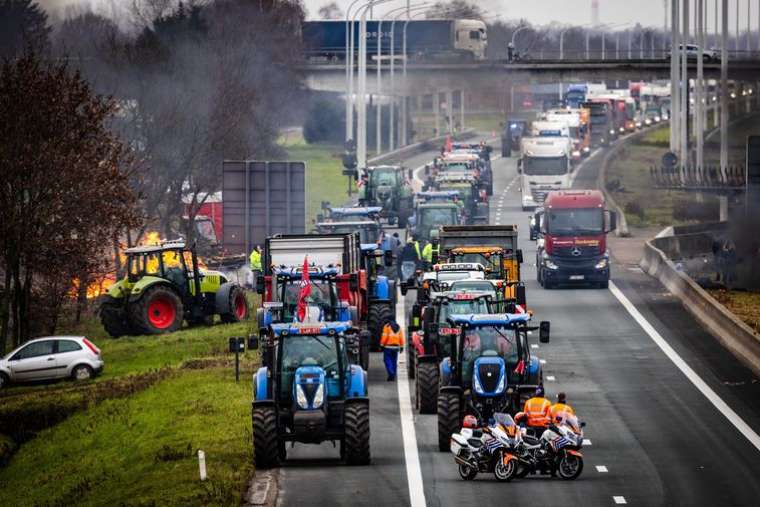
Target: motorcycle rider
[[561, 407], [536, 412]]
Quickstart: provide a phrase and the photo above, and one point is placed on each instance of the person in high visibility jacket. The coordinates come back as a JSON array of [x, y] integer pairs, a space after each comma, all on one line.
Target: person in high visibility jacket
[[561, 407], [427, 253], [392, 340], [537, 411], [255, 259]]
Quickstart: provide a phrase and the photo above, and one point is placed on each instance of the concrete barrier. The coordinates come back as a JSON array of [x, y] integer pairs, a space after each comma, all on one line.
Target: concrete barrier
[[428, 144], [729, 330]]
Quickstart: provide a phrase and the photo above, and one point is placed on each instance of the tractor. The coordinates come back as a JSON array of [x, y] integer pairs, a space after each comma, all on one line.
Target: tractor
[[387, 187], [307, 391], [429, 343], [490, 369], [381, 291], [165, 286]]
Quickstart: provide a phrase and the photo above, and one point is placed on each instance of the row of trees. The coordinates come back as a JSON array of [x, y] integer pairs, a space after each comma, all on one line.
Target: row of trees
[[106, 130]]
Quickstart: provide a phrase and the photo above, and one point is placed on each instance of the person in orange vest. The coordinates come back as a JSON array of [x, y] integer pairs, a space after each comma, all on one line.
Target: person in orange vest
[[392, 340], [536, 412], [561, 407]]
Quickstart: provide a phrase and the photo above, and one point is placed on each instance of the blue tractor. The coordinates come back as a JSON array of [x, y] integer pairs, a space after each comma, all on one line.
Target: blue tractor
[[307, 391], [381, 291], [490, 369]]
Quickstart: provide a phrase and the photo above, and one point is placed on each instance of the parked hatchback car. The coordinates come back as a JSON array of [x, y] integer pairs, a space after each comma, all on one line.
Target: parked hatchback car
[[692, 53], [51, 357]]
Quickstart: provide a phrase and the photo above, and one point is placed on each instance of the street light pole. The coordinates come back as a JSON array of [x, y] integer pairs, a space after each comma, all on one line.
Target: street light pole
[[699, 110], [724, 91], [350, 71], [404, 98], [675, 104]]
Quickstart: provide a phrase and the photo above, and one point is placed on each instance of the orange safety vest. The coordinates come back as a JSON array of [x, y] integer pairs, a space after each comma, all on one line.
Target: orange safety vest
[[538, 411], [561, 408], [391, 339]]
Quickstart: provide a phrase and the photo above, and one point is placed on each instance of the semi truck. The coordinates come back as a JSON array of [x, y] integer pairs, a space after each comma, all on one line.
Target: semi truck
[[572, 246], [428, 39], [544, 165]]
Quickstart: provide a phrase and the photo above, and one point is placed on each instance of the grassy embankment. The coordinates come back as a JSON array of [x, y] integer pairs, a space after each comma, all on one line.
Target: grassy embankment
[[132, 434]]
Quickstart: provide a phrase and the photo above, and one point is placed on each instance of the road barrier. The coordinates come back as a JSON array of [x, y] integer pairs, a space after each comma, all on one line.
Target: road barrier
[[411, 149], [729, 330]]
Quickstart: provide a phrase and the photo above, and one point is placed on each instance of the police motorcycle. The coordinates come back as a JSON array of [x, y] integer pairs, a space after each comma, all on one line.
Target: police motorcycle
[[492, 448], [556, 452]]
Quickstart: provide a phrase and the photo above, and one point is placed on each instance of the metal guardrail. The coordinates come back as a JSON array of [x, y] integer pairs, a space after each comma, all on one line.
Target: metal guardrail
[[702, 179]]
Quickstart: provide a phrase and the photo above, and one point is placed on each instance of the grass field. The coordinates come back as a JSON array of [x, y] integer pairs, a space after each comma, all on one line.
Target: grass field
[[142, 450]]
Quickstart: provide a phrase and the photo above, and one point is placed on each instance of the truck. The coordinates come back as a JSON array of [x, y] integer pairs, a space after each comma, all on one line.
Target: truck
[[428, 39], [544, 165], [577, 123], [600, 118], [515, 128], [493, 246], [572, 246]]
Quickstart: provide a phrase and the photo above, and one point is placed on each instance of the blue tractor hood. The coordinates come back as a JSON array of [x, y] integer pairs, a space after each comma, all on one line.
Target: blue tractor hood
[[309, 388]]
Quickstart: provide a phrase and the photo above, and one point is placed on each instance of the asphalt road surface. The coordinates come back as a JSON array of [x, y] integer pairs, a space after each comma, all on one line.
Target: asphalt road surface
[[672, 418]]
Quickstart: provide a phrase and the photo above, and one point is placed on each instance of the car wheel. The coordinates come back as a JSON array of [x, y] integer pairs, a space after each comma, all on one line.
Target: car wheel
[[4, 380], [82, 372]]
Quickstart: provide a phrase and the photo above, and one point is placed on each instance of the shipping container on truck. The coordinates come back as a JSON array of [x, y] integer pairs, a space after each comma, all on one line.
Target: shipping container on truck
[[425, 39]]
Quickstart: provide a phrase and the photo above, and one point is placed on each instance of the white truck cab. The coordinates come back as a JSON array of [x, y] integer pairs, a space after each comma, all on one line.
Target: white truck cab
[[470, 37], [544, 165]]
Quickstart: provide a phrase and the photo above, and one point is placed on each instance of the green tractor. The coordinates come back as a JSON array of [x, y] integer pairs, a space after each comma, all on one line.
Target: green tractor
[[164, 286], [387, 186]]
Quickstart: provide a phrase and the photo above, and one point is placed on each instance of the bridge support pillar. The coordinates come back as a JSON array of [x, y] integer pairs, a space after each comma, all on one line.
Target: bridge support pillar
[[437, 113], [723, 201]]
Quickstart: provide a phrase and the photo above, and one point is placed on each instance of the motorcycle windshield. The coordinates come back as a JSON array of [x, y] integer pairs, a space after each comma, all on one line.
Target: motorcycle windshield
[[504, 420], [569, 420]]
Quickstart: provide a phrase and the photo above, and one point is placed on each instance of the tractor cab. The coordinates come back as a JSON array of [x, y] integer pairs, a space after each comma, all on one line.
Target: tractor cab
[[387, 187], [370, 231], [491, 368], [307, 391]]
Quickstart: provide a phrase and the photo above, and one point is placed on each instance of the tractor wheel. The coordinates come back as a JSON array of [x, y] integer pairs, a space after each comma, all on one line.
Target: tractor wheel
[[356, 439], [267, 448], [238, 306], [448, 419], [377, 316], [410, 357], [114, 318], [159, 310], [427, 388]]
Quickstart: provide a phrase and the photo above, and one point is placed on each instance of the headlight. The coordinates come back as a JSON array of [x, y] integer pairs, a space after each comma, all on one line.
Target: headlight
[[586, 149], [622, 130], [478, 387], [502, 381], [601, 140], [576, 153], [301, 397], [612, 132], [602, 264], [319, 396], [656, 118], [638, 124], [549, 264]]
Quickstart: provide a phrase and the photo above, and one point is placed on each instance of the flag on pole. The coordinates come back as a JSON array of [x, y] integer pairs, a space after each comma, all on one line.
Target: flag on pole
[[520, 368], [449, 144], [305, 291]]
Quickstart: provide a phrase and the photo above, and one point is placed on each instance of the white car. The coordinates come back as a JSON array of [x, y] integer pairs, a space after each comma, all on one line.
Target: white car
[[692, 53], [51, 357]]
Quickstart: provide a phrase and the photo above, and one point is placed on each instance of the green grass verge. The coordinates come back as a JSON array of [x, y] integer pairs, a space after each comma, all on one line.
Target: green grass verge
[[142, 450], [324, 178]]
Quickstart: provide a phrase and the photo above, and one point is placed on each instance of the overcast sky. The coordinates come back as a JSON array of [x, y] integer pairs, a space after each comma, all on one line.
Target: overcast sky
[[577, 12]]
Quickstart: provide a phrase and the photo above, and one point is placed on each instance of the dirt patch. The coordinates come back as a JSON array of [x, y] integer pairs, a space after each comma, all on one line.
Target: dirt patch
[[743, 304]]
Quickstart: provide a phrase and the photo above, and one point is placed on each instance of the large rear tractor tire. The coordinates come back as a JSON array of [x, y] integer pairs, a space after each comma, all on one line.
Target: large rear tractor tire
[[448, 418], [427, 387], [377, 316], [356, 440], [238, 306], [266, 445], [114, 318], [159, 310]]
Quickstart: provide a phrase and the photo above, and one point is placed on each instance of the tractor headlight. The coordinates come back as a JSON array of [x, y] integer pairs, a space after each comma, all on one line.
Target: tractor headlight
[[478, 386], [319, 396], [586, 149], [502, 382], [603, 263], [622, 130], [612, 132], [301, 398]]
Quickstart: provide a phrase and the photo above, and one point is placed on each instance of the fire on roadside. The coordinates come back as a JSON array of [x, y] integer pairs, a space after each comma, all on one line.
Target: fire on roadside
[[152, 238]]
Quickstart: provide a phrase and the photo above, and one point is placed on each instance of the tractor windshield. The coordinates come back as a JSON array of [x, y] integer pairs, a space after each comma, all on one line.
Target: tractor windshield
[[488, 341], [465, 306], [323, 294], [380, 177], [488, 260], [298, 350], [431, 218]]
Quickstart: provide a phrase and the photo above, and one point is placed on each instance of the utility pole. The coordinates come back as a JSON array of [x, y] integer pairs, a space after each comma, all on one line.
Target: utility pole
[[675, 81], [724, 92], [699, 111], [684, 134]]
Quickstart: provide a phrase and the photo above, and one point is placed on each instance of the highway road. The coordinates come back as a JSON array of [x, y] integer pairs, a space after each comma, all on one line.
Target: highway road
[[656, 436]]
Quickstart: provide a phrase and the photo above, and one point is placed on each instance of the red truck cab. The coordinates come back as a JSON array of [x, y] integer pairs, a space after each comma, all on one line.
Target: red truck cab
[[572, 245]]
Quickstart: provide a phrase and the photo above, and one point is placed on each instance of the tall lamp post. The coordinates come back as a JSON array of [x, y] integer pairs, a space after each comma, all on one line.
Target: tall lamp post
[[350, 71], [405, 99]]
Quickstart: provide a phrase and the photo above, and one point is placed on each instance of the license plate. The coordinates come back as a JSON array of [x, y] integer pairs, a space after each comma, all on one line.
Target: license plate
[[577, 277], [455, 448]]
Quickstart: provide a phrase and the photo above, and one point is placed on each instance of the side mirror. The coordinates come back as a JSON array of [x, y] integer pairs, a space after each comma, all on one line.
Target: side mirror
[[544, 331], [519, 256], [583, 424], [519, 165], [388, 258], [613, 221], [253, 342], [354, 282], [260, 281], [402, 286], [520, 295]]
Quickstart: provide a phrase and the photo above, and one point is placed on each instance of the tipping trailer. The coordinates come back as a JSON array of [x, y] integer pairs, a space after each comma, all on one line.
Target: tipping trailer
[[494, 246]]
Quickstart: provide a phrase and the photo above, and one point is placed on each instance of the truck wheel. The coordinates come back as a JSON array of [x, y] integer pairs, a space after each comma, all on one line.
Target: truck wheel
[[238, 306], [114, 318], [427, 388], [410, 365], [266, 445], [356, 439], [448, 419], [377, 316], [159, 310]]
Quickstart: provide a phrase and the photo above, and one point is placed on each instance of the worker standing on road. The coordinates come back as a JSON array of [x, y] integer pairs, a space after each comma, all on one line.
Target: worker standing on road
[[561, 407], [391, 341]]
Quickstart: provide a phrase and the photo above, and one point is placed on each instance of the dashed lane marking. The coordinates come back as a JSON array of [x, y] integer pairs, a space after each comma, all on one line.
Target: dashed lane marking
[[551, 378], [411, 455], [534, 345], [620, 500], [601, 469], [542, 361], [690, 374], [586, 441]]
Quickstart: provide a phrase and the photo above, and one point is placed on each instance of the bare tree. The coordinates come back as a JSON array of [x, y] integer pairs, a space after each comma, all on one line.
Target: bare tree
[[23, 25]]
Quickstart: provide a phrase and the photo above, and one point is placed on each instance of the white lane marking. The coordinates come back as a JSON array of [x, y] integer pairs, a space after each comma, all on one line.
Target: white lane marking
[[542, 361], [586, 441], [534, 345], [411, 456], [695, 379], [551, 378], [601, 469], [620, 500]]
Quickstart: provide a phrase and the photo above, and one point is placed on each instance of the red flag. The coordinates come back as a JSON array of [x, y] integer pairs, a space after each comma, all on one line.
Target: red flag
[[305, 290], [449, 144], [520, 368]]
